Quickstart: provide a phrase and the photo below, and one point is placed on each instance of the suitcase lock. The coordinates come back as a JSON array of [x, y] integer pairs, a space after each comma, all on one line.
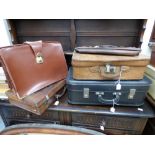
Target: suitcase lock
[[110, 69], [131, 93], [86, 93]]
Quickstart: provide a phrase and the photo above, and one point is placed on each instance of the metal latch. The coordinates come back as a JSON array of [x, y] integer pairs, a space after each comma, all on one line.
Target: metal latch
[[39, 58], [86, 93], [99, 93], [110, 69], [131, 93]]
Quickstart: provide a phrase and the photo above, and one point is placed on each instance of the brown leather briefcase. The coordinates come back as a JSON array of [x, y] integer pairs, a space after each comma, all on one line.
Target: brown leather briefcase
[[32, 66], [39, 101], [108, 67]]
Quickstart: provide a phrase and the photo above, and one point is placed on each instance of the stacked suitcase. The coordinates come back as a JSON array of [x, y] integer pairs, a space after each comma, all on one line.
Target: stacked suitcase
[[108, 75]]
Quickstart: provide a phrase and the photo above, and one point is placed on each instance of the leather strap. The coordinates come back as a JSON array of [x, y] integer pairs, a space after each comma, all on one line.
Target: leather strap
[[36, 46]]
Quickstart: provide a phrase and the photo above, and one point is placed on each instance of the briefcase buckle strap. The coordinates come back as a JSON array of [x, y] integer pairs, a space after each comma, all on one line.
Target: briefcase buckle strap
[[36, 47]]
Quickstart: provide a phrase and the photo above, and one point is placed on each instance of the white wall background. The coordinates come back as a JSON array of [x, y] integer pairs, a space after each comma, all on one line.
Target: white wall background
[[5, 38], [147, 34]]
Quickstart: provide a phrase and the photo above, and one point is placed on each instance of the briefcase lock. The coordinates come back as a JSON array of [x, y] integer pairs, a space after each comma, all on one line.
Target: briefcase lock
[[39, 58], [110, 69]]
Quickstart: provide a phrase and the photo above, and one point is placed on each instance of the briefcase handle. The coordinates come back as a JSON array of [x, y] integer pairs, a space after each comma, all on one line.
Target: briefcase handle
[[109, 101]]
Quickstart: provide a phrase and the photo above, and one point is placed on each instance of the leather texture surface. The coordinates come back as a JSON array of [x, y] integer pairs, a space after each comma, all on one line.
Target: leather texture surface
[[26, 76]]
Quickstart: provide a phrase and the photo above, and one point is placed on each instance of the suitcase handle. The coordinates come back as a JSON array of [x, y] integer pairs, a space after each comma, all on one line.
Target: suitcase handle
[[107, 101]]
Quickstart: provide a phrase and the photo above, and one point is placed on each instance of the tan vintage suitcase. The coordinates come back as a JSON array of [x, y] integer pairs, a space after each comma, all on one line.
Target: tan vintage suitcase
[[39, 101], [107, 67]]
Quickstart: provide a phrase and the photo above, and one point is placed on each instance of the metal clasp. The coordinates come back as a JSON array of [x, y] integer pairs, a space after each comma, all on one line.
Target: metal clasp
[[110, 69], [86, 93], [117, 93], [131, 93], [99, 93], [39, 58]]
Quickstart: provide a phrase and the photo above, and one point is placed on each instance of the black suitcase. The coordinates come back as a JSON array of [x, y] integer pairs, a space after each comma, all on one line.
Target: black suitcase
[[84, 92]]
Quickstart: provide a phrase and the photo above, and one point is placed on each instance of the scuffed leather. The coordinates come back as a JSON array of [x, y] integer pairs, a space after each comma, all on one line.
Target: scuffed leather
[[25, 74]]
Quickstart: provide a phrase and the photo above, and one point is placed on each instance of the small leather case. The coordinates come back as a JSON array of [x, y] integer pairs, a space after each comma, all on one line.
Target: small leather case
[[39, 101], [109, 50]]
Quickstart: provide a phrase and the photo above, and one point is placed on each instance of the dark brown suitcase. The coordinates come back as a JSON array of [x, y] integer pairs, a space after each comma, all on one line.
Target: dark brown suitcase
[[109, 50], [37, 102]]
